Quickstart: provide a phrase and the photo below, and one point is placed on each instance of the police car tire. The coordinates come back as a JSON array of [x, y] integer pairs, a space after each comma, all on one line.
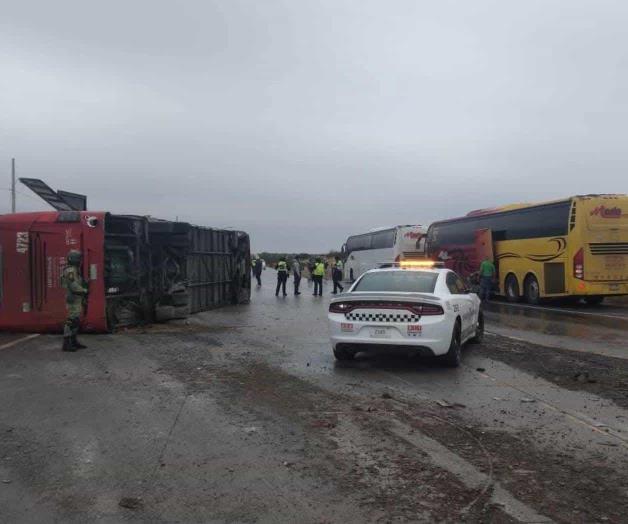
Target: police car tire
[[479, 330], [454, 354], [343, 354]]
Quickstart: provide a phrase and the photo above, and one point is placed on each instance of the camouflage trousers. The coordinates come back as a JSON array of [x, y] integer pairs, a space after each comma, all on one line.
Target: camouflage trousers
[[72, 322]]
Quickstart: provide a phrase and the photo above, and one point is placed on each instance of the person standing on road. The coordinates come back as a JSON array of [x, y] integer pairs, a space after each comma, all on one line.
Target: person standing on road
[[282, 276], [318, 274], [337, 276], [258, 266], [487, 276], [296, 274], [75, 300]]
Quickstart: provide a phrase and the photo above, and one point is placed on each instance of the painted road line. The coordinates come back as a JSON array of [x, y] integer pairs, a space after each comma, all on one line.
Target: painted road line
[[18, 341]]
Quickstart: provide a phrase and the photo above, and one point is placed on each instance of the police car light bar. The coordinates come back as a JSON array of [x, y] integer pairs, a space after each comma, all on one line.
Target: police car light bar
[[405, 264]]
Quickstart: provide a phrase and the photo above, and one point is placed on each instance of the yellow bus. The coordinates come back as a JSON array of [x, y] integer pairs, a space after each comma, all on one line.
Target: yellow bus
[[574, 247]]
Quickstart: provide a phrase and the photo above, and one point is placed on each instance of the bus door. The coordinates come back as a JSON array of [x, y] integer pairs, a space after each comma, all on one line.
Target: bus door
[[483, 246]]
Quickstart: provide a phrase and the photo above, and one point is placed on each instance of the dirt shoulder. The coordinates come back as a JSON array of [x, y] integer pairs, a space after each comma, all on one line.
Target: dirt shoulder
[[600, 375], [407, 459]]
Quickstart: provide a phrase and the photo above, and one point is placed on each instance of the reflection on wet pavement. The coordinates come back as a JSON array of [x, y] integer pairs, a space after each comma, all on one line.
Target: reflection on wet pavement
[[568, 329]]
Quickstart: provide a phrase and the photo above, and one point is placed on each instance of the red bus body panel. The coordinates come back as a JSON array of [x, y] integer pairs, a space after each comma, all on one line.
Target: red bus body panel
[[33, 254]]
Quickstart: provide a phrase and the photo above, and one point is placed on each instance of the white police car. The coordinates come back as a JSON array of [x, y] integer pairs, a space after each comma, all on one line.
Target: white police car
[[415, 306]]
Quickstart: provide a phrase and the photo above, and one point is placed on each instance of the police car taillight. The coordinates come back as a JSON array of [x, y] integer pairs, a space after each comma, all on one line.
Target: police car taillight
[[431, 309], [340, 307]]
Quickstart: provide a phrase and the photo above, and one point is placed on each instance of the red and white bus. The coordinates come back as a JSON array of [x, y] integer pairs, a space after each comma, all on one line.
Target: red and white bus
[[138, 269]]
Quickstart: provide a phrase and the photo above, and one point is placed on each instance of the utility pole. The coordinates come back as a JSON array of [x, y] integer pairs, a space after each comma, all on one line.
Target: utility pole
[[13, 185]]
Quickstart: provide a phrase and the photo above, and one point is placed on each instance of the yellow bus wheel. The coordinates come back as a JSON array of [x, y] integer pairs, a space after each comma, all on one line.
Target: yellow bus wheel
[[531, 290], [512, 288]]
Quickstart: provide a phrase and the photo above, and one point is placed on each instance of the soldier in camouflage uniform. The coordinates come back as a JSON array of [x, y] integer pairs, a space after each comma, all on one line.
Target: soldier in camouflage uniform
[[75, 298]]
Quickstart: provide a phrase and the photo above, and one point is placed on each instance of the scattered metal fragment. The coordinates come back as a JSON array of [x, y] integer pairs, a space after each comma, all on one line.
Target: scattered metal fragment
[[131, 503]]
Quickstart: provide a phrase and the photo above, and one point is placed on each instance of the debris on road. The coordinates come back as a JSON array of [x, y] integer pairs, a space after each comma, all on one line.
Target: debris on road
[[445, 404], [481, 370], [583, 376], [528, 400], [131, 503]]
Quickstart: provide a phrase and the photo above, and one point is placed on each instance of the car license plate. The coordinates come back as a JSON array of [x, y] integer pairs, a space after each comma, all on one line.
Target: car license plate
[[347, 327], [379, 333], [414, 330]]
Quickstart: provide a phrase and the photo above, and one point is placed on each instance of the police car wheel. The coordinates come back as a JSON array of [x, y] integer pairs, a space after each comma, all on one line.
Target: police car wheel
[[479, 330], [454, 354], [343, 353]]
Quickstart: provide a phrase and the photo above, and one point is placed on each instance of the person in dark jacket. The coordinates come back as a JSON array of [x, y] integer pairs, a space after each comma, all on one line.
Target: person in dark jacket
[[258, 267]]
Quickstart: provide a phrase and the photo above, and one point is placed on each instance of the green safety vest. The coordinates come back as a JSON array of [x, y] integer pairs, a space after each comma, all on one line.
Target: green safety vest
[[282, 266], [319, 270]]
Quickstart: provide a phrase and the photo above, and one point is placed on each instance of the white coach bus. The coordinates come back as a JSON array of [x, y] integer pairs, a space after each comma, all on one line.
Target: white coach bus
[[380, 246]]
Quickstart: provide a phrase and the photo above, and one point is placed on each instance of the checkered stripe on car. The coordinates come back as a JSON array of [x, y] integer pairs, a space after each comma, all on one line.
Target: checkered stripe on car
[[382, 317]]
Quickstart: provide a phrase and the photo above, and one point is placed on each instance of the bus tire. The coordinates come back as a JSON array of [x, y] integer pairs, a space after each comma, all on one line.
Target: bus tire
[[531, 290], [452, 358], [594, 300], [512, 288]]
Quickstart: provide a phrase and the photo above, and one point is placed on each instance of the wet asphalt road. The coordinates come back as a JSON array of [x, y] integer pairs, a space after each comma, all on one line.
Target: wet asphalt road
[[242, 415]]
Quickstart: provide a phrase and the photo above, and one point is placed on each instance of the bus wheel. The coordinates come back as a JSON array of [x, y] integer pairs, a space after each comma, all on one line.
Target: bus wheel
[[512, 288], [531, 290], [594, 300]]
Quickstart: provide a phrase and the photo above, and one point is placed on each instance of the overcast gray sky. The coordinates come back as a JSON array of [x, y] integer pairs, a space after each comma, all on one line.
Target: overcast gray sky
[[302, 122]]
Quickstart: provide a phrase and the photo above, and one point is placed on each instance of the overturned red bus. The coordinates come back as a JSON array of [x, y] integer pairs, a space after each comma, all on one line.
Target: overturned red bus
[[139, 269]]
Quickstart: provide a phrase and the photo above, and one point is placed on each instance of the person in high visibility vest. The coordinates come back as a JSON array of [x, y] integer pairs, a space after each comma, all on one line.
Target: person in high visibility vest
[[282, 276], [318, 274], [337, 276]]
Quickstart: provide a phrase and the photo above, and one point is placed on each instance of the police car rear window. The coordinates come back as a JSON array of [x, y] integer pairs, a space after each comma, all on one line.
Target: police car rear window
[[403, 281]]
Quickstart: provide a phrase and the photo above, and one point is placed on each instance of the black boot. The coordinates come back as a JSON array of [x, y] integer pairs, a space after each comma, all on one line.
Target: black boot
[[67, 344], [76, 344]]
